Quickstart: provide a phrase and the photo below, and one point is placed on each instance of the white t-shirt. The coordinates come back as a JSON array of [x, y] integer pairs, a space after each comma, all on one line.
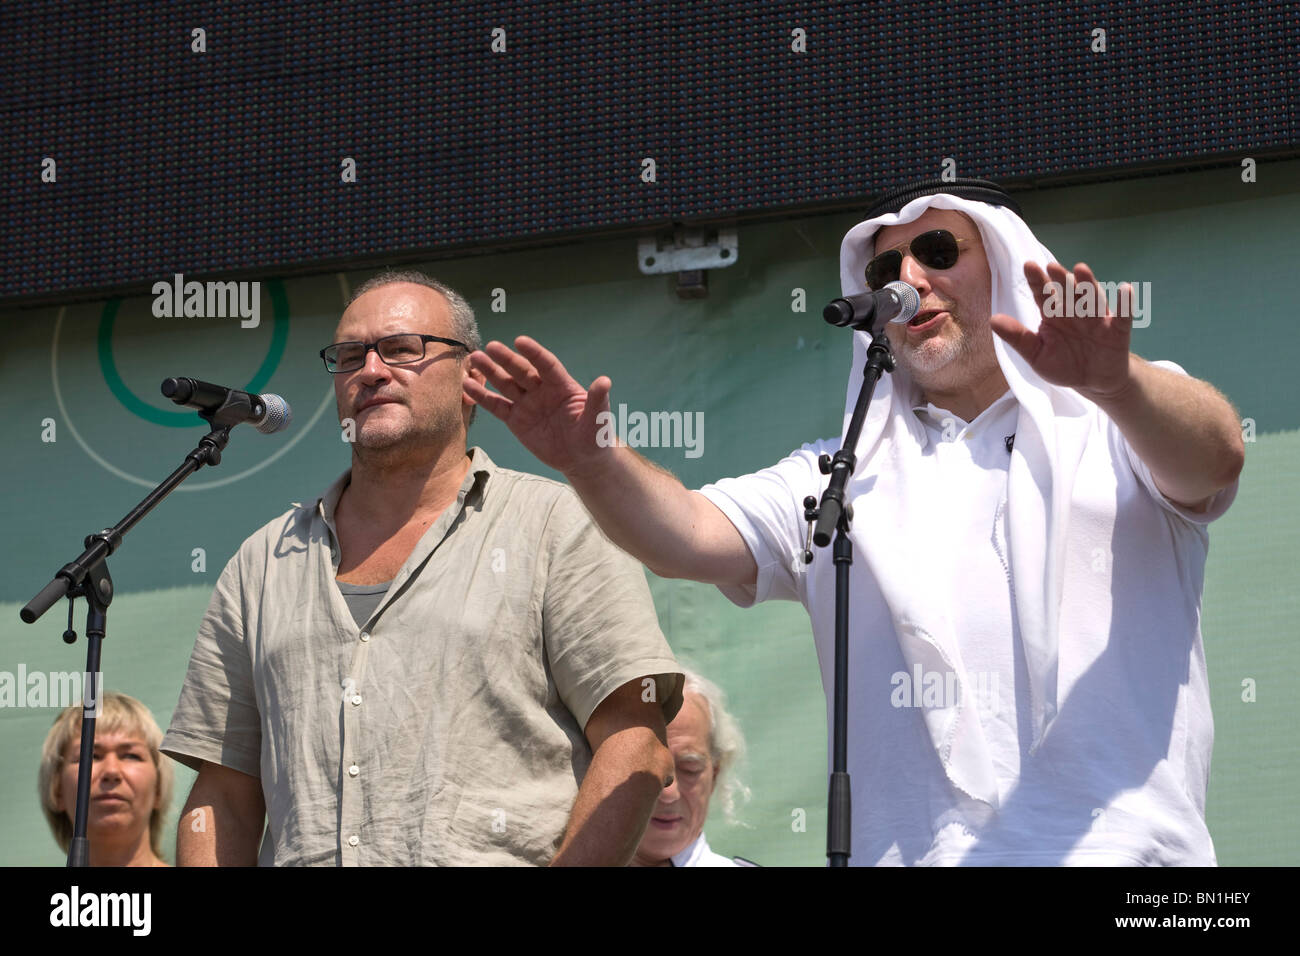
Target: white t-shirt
[[699, 854], [1121, 776]]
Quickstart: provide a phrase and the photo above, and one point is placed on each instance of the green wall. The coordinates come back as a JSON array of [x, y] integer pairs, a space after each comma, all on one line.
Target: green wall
[[766, 380]]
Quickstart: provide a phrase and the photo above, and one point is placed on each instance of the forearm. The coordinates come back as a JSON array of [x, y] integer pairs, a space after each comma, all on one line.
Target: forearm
[[615, 800], [1182, 429], [650, 514], [643, 509], [220, 828]]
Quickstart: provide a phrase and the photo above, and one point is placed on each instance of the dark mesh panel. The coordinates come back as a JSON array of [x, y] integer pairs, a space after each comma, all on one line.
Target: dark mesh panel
[[229, 161]]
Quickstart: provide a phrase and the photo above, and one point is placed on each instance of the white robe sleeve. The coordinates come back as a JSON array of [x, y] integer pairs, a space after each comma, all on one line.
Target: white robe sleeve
[[767, 509], [1218, 504]]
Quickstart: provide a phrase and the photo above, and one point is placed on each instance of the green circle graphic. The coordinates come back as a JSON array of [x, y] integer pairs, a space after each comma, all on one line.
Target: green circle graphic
[[188, 419]]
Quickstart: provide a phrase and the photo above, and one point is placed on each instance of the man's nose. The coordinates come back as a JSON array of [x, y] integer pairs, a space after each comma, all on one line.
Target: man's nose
[[914, 274], [669, 793], [375, 369]]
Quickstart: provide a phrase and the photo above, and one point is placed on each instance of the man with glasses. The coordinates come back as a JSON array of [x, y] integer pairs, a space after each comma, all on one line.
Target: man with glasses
[[439, 661], [1027, 681]]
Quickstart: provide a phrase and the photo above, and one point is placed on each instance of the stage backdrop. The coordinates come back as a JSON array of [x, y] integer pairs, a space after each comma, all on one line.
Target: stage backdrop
[[255, 135], [86, 432]]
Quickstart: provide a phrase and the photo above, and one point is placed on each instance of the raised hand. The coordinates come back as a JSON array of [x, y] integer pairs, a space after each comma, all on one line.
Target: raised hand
[[1080, 343], [551, 414]]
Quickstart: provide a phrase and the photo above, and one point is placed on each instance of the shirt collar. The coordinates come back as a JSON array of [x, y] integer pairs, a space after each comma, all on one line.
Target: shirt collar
[[937, 415], [693, 853], [481, 468]]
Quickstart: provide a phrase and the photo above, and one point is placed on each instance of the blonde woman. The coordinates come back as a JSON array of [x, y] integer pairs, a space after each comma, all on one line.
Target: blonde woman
[[130, 785]]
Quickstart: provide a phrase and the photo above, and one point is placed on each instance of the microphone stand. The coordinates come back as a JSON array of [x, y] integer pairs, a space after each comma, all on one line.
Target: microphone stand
[[834, 512], [87, 576]]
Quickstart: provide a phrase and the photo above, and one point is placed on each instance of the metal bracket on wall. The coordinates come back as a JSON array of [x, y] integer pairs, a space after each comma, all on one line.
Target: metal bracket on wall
[[689, 253]]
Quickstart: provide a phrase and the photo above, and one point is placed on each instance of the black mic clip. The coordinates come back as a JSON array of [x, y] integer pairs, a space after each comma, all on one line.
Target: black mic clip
[[812, 509], [238, 407], [809, 515]]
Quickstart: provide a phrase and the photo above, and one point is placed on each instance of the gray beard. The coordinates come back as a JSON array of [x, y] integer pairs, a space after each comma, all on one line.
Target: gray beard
[[923, 362]]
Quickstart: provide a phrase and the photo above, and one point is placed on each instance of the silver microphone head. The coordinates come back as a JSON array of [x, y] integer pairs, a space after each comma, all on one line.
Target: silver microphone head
[[276, 417], [909, 301]]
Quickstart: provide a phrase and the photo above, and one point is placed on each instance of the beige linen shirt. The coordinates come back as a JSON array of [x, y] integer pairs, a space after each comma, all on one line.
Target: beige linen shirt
[[449, 729]]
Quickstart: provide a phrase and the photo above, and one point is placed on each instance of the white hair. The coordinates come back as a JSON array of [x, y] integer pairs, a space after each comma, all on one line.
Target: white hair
[[726, 742]]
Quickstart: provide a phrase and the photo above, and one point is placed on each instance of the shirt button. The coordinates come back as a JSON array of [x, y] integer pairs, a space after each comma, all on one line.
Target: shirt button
[[356, 700], [353, 770], [365, 636], [354, 840]]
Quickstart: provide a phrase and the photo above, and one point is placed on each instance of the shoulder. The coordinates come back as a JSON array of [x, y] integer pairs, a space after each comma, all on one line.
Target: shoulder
[[288, 534], [796, 467], [511, 483], [527, 498], [772, 489], [293, 524]]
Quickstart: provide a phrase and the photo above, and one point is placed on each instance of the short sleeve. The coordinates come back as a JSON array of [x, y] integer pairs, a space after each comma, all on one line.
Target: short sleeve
[[767, 509], [1219, 504], [599, 620], [216, 719]]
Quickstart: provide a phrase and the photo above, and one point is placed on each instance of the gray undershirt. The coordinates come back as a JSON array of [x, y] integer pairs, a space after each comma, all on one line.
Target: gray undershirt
[[362, 599]]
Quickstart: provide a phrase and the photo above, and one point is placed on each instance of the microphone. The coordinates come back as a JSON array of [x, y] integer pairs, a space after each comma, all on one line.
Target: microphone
[[267, 413], [896, 302]]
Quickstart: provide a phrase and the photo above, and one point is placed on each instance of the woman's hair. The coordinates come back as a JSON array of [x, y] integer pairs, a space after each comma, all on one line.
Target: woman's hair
[[726, 742], [121, 713]]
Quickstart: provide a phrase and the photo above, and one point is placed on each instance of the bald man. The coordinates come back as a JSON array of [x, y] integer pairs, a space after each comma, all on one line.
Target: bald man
[[438, 661]]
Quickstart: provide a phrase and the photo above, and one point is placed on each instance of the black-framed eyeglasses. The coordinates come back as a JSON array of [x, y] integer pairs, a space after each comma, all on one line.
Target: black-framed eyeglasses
[[936, 249], [404, 348]]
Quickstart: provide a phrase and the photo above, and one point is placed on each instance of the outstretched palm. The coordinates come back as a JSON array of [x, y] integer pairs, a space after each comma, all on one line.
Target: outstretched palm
[[551, 414], [1080, 343]]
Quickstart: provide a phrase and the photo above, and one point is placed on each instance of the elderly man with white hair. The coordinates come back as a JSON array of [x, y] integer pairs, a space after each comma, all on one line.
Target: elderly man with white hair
[[706, 745]]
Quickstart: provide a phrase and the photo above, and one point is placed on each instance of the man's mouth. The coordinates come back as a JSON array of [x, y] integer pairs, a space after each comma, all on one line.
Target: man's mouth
[[664, 823], [372, 402], [926, 319]]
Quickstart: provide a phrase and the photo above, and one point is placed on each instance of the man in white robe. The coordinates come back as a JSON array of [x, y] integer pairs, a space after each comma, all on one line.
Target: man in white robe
[[1028, 681]]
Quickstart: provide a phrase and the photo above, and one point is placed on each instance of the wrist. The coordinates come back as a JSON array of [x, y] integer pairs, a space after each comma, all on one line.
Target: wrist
[[1119, 393], [593, 466]]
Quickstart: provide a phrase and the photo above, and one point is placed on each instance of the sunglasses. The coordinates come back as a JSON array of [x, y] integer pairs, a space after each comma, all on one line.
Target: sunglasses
[[937, 249]]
